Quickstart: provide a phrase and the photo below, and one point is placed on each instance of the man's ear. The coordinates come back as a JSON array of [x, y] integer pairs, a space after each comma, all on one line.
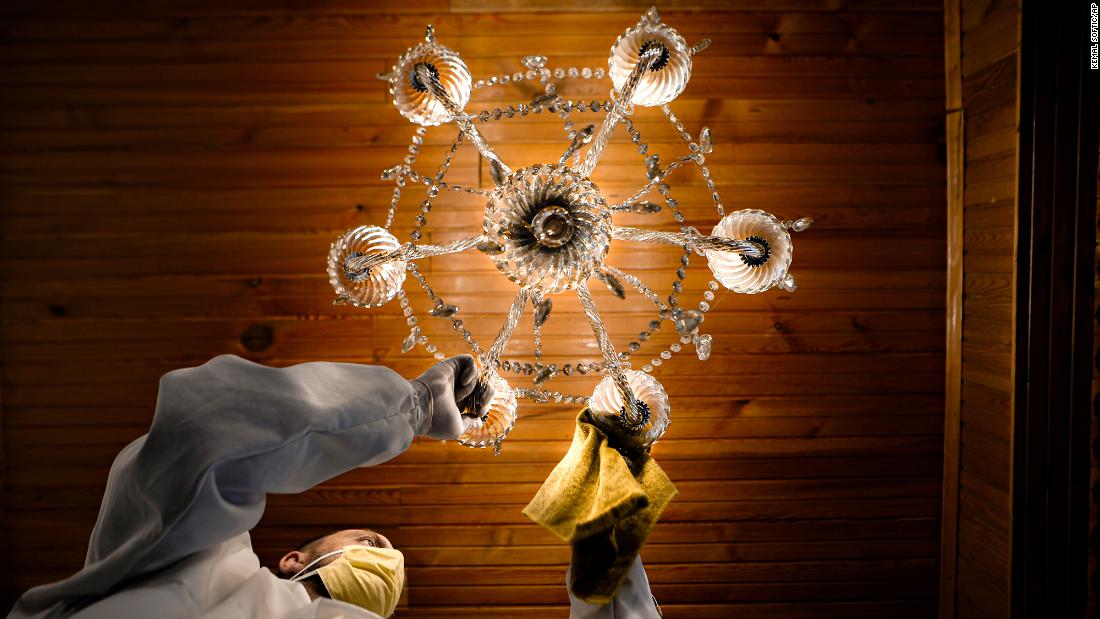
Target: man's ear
[[292, 563]]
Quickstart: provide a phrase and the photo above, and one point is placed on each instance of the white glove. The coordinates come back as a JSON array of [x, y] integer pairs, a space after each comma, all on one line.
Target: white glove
[[444, 388]]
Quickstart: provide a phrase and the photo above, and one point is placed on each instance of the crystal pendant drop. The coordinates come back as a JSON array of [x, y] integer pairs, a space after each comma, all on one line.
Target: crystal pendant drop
[[645, 208], [496, 172], [613, 284], [653, 166], [410, 341], [550, 94], [802, 224], [490, 247], [542, 311], [788, 283], [700, 46], [584, 136], [706, 146], [688, 321], [543, 374], [703, 346], [443, 310]]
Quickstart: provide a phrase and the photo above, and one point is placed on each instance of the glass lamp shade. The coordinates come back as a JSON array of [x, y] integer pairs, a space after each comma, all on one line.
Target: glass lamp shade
[[748, 275], [374, 286], [607, 402], [553, 224], [666, 78], [413, 99], [499, 420]]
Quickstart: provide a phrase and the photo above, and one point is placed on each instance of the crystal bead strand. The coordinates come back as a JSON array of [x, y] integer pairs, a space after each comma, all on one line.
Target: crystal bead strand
[[564, 107], [676, 347], [542, 396], [433, 189], [656, 180], [523, 109], [424, 180], [528, 368], [398, 179], [583, 73], [456, 323], [536, 298], [635, 136], [685, 257], [542, 74], [696, 148], [679, 126], [674, 206], [658, 177], [421, 220], [663, 311]]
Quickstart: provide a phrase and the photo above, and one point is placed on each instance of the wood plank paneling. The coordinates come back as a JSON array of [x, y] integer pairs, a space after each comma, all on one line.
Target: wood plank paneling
[[976, 547], [172, 173]]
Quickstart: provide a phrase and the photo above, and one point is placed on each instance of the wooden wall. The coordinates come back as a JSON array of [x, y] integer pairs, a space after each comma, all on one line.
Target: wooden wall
[[1094, 478], [173, 173], [982, 98]]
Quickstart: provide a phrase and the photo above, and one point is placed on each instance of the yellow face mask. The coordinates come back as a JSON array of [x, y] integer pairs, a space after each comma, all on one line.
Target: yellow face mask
[[366, 576]]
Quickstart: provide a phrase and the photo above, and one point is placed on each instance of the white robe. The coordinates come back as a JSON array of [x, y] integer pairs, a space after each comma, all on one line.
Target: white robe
[[172, 535]]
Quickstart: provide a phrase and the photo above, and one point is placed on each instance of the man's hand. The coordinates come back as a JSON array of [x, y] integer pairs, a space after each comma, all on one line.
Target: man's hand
[[447, 385]]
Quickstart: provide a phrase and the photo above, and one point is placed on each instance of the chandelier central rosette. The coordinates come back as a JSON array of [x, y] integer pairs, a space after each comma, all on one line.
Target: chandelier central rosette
[[552, 226], [548, 228]]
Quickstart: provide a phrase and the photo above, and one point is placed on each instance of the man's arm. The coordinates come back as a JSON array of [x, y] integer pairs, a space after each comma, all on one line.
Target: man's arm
[[229, 431], [634, 600], [226, 433]]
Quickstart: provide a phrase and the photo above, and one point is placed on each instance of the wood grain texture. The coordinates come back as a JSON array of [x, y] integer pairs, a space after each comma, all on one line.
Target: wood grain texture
[[977, 514], [955, 130], [172, 173]]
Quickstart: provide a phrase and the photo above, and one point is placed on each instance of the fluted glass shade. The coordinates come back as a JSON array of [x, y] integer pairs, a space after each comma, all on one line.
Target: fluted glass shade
[[607, 401], [499, 420], [666, 78], [370, 287], [412, 98], [553, 225], [741, 273]]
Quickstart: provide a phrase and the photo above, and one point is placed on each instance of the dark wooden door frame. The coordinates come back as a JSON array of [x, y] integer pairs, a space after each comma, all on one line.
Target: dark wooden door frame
[[1055, 253]]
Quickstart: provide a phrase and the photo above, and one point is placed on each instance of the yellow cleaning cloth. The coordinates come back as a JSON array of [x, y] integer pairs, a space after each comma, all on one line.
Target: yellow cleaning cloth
[[595, 501]]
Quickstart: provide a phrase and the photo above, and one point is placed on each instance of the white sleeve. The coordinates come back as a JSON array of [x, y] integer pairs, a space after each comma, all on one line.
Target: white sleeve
[[224, 435], [633, 601]]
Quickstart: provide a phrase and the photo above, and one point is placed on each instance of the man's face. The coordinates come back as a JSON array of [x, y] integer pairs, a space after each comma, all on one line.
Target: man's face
[[347, 537], [296, 560]]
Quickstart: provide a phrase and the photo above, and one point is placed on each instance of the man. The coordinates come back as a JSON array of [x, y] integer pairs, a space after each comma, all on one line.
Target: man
[[172, 538]]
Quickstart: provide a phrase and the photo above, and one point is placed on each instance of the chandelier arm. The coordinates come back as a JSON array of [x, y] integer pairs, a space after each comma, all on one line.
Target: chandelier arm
[[409, 251], [506, 330], [698, 242], [630, 413], [619, 108], [536, 328], [461, 119]]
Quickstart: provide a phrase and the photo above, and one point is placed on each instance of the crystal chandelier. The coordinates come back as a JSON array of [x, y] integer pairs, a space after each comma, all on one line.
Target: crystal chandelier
[[547, 227]]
